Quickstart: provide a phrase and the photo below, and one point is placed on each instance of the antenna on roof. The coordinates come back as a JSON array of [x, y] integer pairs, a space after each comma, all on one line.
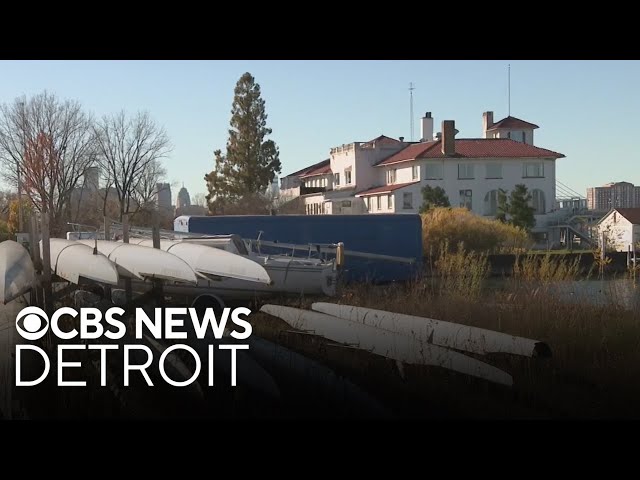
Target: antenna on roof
[[411, 89], [509, 88]]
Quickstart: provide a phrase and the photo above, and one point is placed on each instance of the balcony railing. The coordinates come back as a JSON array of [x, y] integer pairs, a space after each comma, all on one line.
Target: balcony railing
[[308, 190]]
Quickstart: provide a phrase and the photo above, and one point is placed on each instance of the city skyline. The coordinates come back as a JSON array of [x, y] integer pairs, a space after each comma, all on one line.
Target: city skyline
[[584, 108]]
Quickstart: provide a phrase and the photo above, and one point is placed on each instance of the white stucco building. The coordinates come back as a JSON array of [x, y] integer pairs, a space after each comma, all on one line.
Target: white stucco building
[[621, 228], [385, 175]]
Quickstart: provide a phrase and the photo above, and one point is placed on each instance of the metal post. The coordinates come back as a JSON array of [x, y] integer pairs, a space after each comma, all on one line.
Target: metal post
[[155, 234], [125, 239], [107, 229]]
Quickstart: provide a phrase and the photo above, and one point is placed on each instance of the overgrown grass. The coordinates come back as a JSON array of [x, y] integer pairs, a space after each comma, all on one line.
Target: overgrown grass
[[596, 356], [546, 268]]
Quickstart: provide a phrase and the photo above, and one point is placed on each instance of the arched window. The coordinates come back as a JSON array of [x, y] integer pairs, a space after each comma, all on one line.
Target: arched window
[[491, 203], [538, 201]]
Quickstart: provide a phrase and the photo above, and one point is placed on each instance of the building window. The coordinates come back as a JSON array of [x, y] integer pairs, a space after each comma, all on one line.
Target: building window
[[433, 171], [391, 176], [538, 201], [337, 178], [370, 204], [379, 201], [390, 202], [533, 170], [407, 201], [466, 199], [524, 137], [347, 177], [494, 170], [465, 171], [509, 135], [346, 203], [415, 172], [491, 203]]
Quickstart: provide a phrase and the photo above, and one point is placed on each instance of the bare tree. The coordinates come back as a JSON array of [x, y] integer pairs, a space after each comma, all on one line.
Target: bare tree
[[46, 145], [129, 154], [200, 199]]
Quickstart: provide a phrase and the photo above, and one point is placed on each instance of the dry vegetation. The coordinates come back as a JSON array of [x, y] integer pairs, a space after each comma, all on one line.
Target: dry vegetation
[[452, 227]]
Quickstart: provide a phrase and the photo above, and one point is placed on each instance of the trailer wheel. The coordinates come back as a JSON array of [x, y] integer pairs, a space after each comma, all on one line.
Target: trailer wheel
[[202, 302]]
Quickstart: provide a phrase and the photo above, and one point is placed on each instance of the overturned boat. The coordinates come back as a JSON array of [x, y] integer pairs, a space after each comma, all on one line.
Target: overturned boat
[[17, 275], [74, 262]]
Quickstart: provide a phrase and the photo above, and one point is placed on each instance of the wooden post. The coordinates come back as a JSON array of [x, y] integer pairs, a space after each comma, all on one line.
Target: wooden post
[[628, 257], [157, 284], [46, 265], [125, 238]]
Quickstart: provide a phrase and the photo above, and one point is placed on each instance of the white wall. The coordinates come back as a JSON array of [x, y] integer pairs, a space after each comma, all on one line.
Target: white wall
[[512, 174], [618, 230]]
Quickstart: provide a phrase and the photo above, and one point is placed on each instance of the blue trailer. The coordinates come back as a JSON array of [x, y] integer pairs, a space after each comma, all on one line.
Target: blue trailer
[[394, 235]]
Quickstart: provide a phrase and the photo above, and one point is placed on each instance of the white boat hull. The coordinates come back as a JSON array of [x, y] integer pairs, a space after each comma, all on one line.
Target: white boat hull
[[73, 261], [17, 275], [437, 332], [211, 261], [136, 261], [386, 343]]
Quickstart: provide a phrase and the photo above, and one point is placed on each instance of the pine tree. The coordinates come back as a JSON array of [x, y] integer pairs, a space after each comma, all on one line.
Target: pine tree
[[503, 206], [250, 163], [520, 209]]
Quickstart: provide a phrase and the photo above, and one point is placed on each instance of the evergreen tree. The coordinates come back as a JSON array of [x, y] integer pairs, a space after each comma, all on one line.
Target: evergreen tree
[[250, 163], [433, 197], [503, 206], [520, 208]]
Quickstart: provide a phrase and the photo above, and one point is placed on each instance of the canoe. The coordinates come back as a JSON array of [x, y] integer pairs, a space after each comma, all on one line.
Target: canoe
[[74, 261], [211, 261], [17, 275], [137, 261], [437, 332], [388, 344]]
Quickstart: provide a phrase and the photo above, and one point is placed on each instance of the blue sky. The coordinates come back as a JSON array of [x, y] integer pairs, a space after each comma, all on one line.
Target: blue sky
[[588, 110]]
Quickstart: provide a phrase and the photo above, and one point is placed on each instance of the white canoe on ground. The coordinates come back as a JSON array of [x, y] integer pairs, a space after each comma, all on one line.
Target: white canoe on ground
[[386, 343], [72, 261], [137, 261], [211, 261], [17, 275], [437, 332]]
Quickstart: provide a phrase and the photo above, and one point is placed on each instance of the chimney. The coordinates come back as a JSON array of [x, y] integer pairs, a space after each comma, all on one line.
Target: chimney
[[487, 123], [402, 139], [448, 137], [426, 128]]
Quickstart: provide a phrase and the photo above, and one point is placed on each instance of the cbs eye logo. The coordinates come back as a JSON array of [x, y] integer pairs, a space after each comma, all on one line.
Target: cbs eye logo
[[34, 323]]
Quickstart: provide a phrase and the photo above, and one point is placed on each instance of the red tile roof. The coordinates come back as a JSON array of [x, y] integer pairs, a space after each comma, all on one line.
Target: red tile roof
[[309, 168], [471, 148], [512, 123], [324, 169], [384, 189], [631, 214]]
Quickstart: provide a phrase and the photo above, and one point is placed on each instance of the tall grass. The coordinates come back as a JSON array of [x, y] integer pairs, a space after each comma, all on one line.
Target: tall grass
[[461, 272], [546, 268]]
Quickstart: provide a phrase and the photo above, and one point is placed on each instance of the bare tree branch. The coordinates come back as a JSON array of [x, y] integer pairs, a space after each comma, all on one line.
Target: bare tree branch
[[129, 153], [49, 143]]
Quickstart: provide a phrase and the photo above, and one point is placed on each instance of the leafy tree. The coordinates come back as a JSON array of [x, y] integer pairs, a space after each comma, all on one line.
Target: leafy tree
[[520, 209], [250, 163], [433, 197]]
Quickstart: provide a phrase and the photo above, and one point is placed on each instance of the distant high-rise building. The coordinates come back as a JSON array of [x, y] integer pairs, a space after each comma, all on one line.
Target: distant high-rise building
[[91, 179], [163, 195], [613, 195], [184, 200]]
